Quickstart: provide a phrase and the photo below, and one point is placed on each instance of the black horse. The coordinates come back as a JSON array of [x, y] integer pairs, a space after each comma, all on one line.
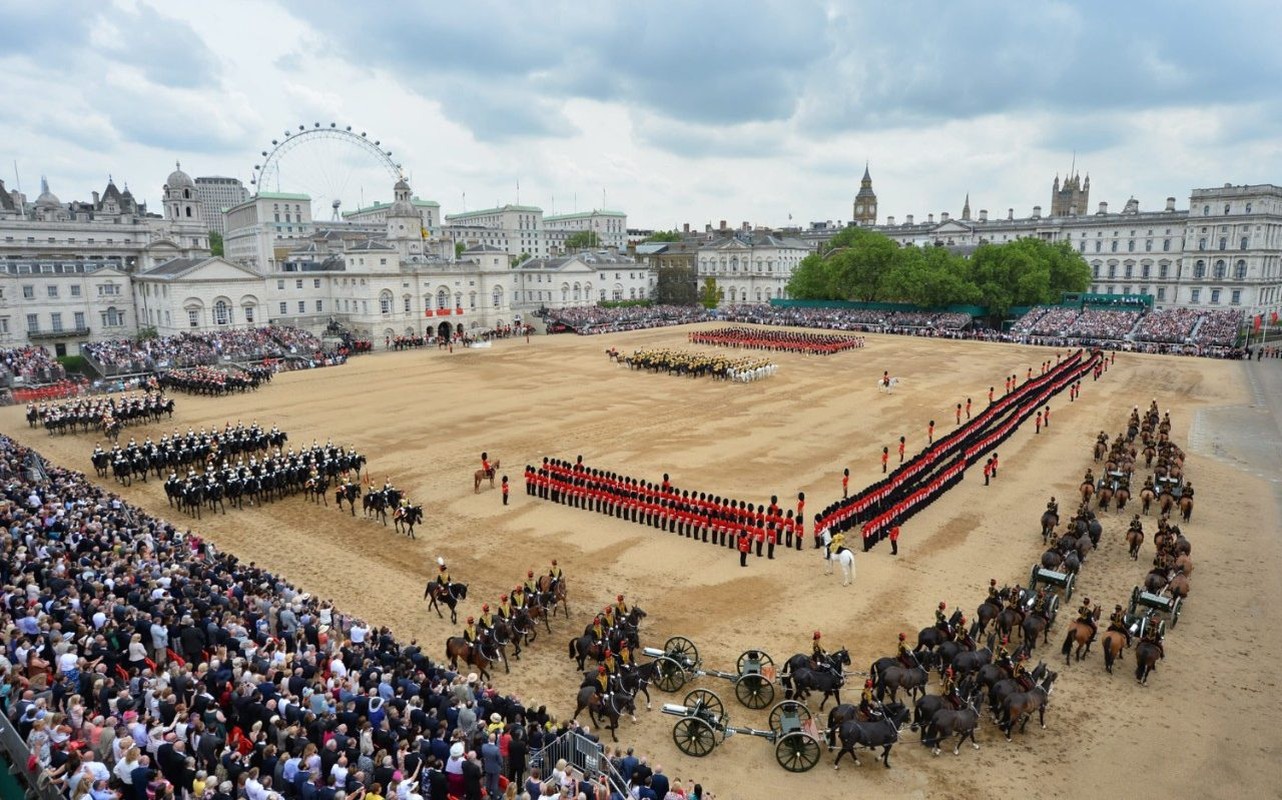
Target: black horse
[[406, 517], [348, 493], [436, 594], [883, 733], [932, 637]]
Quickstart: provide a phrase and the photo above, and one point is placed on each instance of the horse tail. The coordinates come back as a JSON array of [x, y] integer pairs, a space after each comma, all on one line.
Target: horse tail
[[573, 642], [1069, 636]]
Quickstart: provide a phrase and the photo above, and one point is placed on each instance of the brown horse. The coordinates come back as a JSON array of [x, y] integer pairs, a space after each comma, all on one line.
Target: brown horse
[[1019, 706], [1100, 449], [1184, 564], [1087, 489], [1105, 496], [556, 590], [1147, 496], [1122, 496], [481, 475], [1165, 502], [457, 647], [1146, 658], [1078, 633], [1134, 539], [1179, 585], [1186, 508], [1113, 642], [612, 709], [1049, 520]]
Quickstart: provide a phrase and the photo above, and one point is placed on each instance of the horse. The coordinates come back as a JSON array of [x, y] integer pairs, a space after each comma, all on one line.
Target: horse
[[1034, 626], [589, 697], [481, 475], [1051, 559], [348, 492], [881, 733], [1008, 620], [1186, 508], [1179, 585], [1185, 565], [1018, 707], [887, 385], [897, 677], [947, 721], [1147, 496], [1146, 658], [406, 517], [1004, 687], [1049, 520], [1100, 449], [457, 647], [1104, 495], [987, 612], [1134, 539], [971, 661], [1156, 580], [1078, 633], [833, 663], [805, 680], [1121, 497], [316, 489], [557, 590], [1113, 643], [435, 594], [1165, 502], [1086, 490], [375, 504], [584, 647], [846, 558], [932, 637]]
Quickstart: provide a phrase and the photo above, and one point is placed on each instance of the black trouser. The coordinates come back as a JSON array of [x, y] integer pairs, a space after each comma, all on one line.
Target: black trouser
[[759, 543], [894, 547], [505, 498], [770, 549], [743, 558]]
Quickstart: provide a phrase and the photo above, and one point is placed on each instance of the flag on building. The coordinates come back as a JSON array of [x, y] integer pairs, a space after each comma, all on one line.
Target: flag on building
[[1259, 322], [1273, 317]]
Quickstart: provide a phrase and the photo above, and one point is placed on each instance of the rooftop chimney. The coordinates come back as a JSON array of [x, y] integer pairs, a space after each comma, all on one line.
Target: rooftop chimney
[[1170, 204], [746, 226], [890, 220], [685, 228], [1037, 212], [1103, 207], [930, 218], [943, 216], [723, 224], [1010, 213], [983, 215], [910, 219]]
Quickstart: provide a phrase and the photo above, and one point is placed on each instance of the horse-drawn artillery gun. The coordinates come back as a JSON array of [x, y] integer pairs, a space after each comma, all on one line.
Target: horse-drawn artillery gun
[[678, 662], [1159, 603], [1061, 584], [704, 724]]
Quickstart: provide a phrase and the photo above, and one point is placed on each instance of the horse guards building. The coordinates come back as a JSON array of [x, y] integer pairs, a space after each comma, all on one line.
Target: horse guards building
[[109, 267]]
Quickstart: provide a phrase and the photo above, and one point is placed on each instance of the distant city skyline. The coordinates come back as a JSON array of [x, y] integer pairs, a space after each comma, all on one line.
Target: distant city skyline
[[678, 113]]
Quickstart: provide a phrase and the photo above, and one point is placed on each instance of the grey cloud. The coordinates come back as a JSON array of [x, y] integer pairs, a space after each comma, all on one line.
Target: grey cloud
[[167, 50]]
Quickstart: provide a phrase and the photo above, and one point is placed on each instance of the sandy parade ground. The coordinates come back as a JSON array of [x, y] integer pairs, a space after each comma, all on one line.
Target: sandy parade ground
[[1201, 728]]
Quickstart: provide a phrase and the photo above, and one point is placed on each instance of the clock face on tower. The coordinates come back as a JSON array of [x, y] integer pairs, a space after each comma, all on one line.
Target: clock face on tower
[[859, 209]]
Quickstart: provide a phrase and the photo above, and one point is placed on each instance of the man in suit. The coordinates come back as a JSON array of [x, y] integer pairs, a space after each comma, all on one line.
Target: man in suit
[[472, 776], [492, 763], [659, 782]]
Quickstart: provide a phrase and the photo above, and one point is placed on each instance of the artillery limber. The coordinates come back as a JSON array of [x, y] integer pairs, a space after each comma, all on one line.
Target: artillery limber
[[704, 724], [1159, 603], [1137, 624], [678, 663], [1172, 486], [1061, 582]]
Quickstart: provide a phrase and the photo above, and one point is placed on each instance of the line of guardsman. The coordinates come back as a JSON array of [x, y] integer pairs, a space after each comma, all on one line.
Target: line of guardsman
[[195, 447], [695, 515], [99, 412], [215, 381], [259, 481]]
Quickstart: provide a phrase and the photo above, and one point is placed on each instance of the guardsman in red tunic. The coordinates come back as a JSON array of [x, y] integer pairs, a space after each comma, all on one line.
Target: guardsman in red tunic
[[959, 410], [744, 545], [845, 484], [1046, 417], [772, 538], [1037, 426], [885, 457], [930, 432], [759, 534], [801, 531], [994, 466], [505, 490], [967, 408], [789, 528], [990, 395], [894, 539], [902, 443]]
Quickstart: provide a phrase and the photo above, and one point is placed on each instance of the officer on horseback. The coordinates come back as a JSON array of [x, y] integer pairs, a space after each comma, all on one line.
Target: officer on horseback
[[963, 636], [598, 630], [602, 684], [518, 597], [906, 655], [1153, 635], [1021, 675], [868, 702], [504, 610], [620, 607], [486, 622], [950, 689], [1039, 603], [994, 594], [469, 632], [554, 572], [941, 620], [443, 576], [1117, 622], [1003, 657], [531, 585], [485, 465], [818, 656], [1053, 507], [1086, 616]]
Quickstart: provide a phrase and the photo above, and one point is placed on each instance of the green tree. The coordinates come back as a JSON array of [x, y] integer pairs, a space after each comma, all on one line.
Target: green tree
[[580, 240], [710, 295], [147, 333], [852, 267], [215, 243], [521, 259], [459, 247], [676, 285], [664, 236], [930, 277], [812, 279]]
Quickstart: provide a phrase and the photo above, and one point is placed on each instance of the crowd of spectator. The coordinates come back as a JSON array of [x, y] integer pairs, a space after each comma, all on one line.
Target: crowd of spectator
[[33, 364], [1168, 325], [849, 319], [121, 356], [1219, 328], [1103, 325], [1184, 331], [141, 663], [586, 320]]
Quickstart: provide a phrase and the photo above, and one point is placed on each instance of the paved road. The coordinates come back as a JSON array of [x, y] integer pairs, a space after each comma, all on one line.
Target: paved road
[[1248, 436]]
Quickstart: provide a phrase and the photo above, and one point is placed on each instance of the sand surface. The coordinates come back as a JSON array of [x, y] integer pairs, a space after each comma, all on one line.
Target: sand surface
[[1200, 727]]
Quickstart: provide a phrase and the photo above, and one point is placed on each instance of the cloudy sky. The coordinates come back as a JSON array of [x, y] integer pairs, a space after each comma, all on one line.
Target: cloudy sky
[[672, 111]]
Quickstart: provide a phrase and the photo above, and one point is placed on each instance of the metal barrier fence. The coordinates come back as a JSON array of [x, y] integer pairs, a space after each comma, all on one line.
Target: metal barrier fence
[[582, 753], [16, 752]]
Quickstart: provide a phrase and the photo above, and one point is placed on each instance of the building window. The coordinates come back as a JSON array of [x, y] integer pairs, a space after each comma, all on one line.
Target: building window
[[315, 283], [302, 306], [1235, 297], [1206, 211], [1166, 245], [443, 298], [33, 323], [385, 303], [1113, 246], [1195, 296], [320, 306], [1226, 208], [497, 297], [1215, 297], [56, 319], [1161, 293], [280, 284], [4, 324], [1130, 246], [1128, 269], [1243, 247], [298, 284], [248, 311], [114, 317], [193, 318], [1112, 270], [75, 290], [28, 292], [1144, 269], [1239, 270], [1098, 245], [80, 320], [222, 313], [1224, 242], [1201, 243], [1161, 270], [1199, 270], [1219, 270], [407, 304], [52, 290], [284, 308]]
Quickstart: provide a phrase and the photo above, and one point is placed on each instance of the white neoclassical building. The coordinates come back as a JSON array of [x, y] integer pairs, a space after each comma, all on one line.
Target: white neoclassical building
[[750, 267]]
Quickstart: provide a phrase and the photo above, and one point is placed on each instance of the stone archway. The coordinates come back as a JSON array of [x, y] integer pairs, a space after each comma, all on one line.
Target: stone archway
[[444, 330]]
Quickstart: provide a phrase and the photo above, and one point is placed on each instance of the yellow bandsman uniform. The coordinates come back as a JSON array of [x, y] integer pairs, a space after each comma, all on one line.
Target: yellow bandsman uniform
[[505, 610], [838, 542], [625, 654], [608, 615], [603, 680], [469, 633], [597, 629], [518, 597], [486, 621], [609, 662], [869, 696]]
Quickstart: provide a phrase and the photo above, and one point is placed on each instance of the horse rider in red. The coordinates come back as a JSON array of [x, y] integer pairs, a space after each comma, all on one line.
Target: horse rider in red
[[941, 620], [950, 689], [818, 655], [867, 701], [906, 656], [485, 465]]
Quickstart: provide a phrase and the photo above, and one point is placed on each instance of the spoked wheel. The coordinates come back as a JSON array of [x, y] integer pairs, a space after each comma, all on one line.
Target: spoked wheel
[[693, 737], [1069, 580], [761, 656], [683, 650], [671, 677], [788, 708], [754, 691], [707, 699], [797, 752], [1175, 611]]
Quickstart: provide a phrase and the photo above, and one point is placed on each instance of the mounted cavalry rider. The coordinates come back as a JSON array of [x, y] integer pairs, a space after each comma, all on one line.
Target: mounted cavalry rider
[[949, 690], [554, 572], [1086, 616], [598, 630], [1003, 657], [963, 636], [486, 622], [941, 620], [994, 594], [443, 577], [1053, 507], [602, 683], [625, 655], [485, 465], [1153, 635], [1039, 603], [906, 655], [469, 632], [837, 544], [607, 614], [531, 585], [1117, 622], [1021, 675], [620, 607], [607, 661], [868, 701], [1187, 491], [518, 597], [504, 609], [1013, 599], [818, 656], [1136, 524]]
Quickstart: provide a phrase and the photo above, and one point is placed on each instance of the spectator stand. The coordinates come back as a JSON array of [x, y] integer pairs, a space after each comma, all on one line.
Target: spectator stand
[[583, 753]]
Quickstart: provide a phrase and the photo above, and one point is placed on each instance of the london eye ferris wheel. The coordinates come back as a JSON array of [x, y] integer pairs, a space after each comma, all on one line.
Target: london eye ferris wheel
[[338, 168]]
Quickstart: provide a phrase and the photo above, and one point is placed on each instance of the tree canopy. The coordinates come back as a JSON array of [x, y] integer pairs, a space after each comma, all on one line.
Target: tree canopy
[[581, 239], [676, 285], [664, 236], [862, 265]]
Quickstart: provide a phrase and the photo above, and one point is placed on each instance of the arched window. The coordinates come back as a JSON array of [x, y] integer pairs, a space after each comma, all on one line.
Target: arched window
[[578, 291], [408, 302], [1199, 270], [1095, 270], [1239, 270], [222, 312], [443, 298], [565, 293], [189, 211], [1220, 270], [497, 296], [385, 302], [732, 295]]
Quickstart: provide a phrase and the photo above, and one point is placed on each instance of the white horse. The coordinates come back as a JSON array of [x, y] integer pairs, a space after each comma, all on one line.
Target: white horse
[[888, 385], [846, 558]]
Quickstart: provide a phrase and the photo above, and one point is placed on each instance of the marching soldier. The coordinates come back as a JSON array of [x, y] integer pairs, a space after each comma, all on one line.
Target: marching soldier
[[1117, 622]]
